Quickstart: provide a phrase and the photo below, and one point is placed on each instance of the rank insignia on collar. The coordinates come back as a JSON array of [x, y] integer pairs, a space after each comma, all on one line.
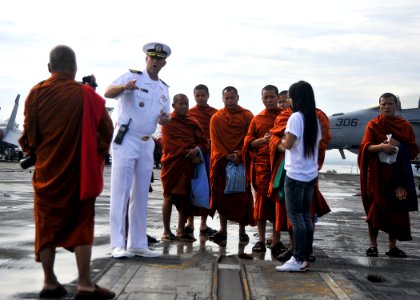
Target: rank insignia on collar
[[163, 97], [144, 90]]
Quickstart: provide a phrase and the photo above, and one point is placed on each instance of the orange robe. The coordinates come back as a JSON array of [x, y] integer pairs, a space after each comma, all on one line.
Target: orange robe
[[257, 163], [320, 206], [203, 116], [181, 134], [53, 133], [227, 132], [375, 176]]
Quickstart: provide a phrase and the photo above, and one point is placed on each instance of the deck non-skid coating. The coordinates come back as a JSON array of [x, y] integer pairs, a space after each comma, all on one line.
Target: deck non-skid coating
[[186, 270]]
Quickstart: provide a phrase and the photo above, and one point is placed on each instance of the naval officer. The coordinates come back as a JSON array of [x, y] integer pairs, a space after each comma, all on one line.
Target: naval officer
[[143, 101]]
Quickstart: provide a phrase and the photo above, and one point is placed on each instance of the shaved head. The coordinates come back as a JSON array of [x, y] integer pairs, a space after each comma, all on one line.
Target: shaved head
[[179, 97], [62, 59], [180, 104]]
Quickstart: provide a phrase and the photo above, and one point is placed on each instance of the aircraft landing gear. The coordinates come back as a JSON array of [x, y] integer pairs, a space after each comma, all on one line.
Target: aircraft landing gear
[[11, 154]]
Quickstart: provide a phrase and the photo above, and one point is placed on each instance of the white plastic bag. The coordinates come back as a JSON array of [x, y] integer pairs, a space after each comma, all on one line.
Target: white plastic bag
[[388, 158]]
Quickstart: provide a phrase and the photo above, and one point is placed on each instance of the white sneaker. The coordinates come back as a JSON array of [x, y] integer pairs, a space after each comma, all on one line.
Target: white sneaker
[[292, 265], [119, 252], [145, 252]]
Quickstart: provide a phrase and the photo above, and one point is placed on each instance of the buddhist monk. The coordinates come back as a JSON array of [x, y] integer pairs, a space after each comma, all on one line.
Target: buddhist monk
[[203, 112], [388, 191], [256, 154], [320, 206], [228, 128], [67, 131], [284, 101], [182, 140]]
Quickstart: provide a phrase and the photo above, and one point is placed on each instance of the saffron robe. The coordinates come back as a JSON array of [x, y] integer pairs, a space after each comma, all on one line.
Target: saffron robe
[[203, 116], [181, 134], [257, 163], [227, 133], [320, 206], [53, 129], [376, 176]]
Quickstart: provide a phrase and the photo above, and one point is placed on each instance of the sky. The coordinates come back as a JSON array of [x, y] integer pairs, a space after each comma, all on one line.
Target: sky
[[349, 51]]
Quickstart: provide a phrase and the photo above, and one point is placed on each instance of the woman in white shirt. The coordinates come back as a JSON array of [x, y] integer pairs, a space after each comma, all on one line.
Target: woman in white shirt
[[300, 142]]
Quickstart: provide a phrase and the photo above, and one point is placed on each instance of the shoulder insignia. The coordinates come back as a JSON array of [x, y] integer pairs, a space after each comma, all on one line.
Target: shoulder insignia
[[164, 82], [135, 71]]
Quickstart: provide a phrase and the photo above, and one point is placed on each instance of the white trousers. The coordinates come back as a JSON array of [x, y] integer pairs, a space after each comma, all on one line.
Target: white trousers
[[132, 165]]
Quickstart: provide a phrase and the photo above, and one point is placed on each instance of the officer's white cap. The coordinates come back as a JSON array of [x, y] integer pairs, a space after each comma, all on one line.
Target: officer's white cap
[[157, 50]]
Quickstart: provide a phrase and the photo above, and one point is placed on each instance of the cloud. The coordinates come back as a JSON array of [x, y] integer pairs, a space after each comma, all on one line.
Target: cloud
[[350, 52]]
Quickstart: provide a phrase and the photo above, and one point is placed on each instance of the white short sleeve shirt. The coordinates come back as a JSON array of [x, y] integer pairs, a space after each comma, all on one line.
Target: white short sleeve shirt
[[298, 166], [143, 105]]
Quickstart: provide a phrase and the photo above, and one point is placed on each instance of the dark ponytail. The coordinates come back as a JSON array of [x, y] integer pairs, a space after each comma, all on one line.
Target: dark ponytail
[[303, 100]]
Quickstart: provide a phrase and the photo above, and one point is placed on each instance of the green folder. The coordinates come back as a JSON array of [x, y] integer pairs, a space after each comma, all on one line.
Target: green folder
[[278, 183]]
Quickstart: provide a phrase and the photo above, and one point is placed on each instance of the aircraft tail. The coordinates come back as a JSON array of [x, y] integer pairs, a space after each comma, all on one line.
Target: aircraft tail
[[12, 119]]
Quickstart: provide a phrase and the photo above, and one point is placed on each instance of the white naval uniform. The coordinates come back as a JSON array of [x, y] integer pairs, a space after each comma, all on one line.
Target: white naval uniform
[[132, 161]]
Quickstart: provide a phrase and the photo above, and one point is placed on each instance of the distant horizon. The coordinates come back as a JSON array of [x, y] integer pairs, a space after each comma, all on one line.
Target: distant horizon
[[350, 52], [407, 102]]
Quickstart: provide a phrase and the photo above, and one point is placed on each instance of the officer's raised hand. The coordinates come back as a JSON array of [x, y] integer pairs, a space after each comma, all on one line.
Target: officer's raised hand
[[131, 85], [114, 91]]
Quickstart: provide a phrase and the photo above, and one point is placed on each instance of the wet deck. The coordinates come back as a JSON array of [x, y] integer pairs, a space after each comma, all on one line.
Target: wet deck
[[203, 270]]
